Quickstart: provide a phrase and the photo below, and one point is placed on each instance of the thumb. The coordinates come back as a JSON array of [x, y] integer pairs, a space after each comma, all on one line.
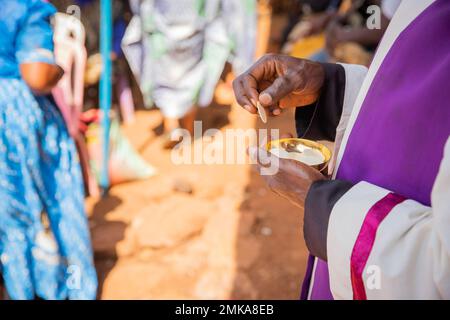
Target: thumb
[[260, 156], [279, 89]]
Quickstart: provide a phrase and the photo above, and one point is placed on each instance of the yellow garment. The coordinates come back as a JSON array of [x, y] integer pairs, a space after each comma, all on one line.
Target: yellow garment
[[352, 53], [306, 47]]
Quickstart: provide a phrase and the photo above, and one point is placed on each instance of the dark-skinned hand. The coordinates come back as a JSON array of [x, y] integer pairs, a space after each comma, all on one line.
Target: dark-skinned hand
[[291, 180], [278, 82]]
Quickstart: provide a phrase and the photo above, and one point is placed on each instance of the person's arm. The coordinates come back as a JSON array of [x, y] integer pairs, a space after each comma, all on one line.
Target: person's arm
[[34, 49], [41, 77], [336, 33], [379, 244]]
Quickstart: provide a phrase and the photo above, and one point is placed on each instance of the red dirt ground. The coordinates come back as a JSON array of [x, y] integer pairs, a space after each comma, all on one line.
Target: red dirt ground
[[230, 239]]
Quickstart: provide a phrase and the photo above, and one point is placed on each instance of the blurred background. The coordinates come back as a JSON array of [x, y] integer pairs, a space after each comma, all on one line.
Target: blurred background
[[166, 231]]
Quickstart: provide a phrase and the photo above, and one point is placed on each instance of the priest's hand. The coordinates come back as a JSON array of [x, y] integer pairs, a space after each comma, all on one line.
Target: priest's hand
[[279, 81], [288, 178]]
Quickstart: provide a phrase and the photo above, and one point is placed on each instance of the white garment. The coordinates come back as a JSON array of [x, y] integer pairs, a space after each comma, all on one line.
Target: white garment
[[412, 245], [389, 7]]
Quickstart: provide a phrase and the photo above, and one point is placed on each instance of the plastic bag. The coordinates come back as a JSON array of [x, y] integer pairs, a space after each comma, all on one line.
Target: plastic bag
[[125, 164]]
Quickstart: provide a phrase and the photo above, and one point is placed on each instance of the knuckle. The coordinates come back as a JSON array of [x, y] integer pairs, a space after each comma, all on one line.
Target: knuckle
[[268, 56], [240, 100], [301, 63], [294, 79], [282, 86], [290, 84], [246, 83], [245, 78], [237, 81], [284, 81]]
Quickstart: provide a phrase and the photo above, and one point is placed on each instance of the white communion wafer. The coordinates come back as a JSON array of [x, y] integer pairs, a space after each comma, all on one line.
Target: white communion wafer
[[262, 112]]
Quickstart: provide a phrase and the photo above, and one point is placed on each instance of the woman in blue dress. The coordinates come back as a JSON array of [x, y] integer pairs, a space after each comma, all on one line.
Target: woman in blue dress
[[45, 249]]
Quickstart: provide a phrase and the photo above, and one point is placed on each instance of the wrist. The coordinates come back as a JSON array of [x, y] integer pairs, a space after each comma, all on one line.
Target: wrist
[[319, 203], [310, 81]]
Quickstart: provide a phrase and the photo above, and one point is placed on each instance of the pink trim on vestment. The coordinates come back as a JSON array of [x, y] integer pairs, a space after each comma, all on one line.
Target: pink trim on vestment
[[365, 241]]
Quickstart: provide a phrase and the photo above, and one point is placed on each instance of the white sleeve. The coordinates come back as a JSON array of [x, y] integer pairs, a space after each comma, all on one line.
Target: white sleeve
[[354, 78], [389, 7], [381, 246]]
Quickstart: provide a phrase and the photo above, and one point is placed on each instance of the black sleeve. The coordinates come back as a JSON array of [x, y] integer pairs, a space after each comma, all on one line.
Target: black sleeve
[[320, 120], [321, 198]]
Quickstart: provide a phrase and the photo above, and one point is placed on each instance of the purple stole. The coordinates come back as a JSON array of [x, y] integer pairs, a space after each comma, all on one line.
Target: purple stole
[[398, 139]]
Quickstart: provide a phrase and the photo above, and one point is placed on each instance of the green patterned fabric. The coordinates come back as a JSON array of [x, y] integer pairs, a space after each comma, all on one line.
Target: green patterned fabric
[[177, 48]]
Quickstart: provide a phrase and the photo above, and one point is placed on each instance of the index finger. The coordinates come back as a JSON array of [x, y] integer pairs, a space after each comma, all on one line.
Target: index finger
[[241, 96]]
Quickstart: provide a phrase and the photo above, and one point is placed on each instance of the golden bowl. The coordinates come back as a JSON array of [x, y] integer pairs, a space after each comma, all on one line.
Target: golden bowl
[[291, 143]]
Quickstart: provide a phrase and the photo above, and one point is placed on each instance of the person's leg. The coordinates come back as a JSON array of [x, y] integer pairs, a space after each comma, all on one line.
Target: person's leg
[[171, 124], [187, 122], [61, 191], [20, 205]]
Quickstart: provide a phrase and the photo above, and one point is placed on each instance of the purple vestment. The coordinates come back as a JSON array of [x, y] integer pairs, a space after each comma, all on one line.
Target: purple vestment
[[398, 139]]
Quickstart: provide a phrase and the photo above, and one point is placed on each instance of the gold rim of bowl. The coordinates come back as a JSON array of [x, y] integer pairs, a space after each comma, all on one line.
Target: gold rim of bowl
[[309, 143]]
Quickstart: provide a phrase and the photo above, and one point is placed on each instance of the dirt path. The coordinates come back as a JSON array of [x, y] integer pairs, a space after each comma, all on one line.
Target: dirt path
[[230, 239]]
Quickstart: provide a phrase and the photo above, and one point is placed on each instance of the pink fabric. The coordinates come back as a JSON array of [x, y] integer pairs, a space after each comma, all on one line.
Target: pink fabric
[[71, 55], [69, 92], [366, 238], [126, 100]]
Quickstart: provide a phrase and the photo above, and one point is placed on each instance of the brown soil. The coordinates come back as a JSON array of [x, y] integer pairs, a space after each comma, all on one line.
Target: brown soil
[[198, 231], [221, 235]]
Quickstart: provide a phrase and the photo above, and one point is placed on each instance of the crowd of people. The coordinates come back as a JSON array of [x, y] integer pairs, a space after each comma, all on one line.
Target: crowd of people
[[384, 106], [175, 51]]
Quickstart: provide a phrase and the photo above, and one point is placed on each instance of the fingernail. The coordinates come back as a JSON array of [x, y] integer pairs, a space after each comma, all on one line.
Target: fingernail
[[265, 99], [276, 112]]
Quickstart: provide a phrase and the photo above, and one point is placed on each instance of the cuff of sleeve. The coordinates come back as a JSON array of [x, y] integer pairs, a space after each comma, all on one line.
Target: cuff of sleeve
[[321, 198], [320, 120], [345, 222]]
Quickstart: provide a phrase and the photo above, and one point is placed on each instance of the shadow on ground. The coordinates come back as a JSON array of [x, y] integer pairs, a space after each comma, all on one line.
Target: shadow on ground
[[106, 235]]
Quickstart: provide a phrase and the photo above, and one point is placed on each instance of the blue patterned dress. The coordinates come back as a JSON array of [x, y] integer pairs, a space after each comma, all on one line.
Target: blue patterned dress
[[45, 248]]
